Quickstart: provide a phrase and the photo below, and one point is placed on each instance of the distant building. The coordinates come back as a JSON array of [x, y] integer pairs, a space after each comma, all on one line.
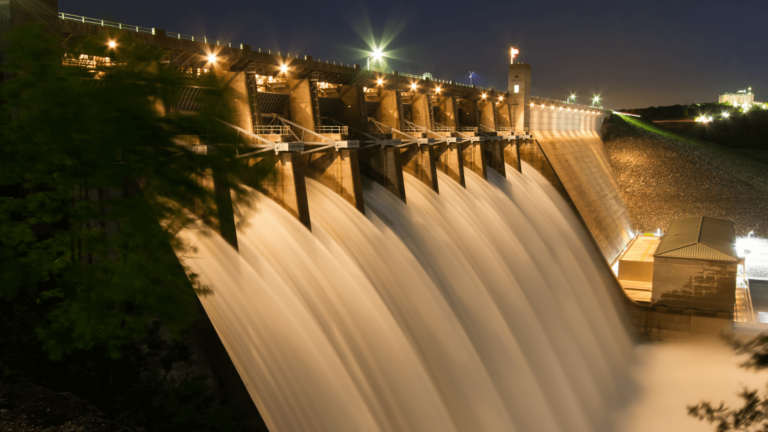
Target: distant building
[[741, 97], [695, 265]]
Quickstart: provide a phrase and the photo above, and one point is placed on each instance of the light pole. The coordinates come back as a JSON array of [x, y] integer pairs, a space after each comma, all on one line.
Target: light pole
[[470, 77], [376, 55], [571, 98], [595, 100]]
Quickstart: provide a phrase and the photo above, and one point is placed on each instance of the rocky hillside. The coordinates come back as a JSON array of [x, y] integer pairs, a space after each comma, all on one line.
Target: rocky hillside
[[663, 176]]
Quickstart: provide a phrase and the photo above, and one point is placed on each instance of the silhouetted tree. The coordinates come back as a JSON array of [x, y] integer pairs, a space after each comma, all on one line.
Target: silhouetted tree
[[753, 414]]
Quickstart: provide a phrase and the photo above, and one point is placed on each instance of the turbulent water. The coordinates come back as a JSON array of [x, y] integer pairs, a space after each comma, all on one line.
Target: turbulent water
[[476, 309]]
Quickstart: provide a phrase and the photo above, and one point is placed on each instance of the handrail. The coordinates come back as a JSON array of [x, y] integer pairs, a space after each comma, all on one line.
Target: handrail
[[423, 129], [392, 129], [285, 121], [438, 125], [205, 39], [271, 130], [343, 130], [488, 128], [250, 134]]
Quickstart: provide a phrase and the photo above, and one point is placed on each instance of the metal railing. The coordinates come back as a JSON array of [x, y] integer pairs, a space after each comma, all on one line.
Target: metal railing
[[413, 128], [467, 129], [343, 130], [440, 128], [504, 129], [376, 127], [104, 23], [271, 130], [205, 39]]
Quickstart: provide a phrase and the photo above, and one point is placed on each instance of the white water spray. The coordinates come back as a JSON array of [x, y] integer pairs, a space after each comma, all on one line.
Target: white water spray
[[477, 309]]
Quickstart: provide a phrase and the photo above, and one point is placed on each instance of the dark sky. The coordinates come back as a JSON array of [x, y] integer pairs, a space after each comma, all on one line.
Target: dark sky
[[634, 53]]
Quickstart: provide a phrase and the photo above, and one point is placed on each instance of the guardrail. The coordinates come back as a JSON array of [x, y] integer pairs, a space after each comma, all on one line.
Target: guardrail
[[204, 39], [343, 130], [441, 128], [271, 130]]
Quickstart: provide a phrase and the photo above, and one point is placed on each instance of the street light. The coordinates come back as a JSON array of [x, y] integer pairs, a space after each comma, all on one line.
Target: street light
[[112, 44], [595, 100], [211, 58], [571, 97], [470, 77], [376, 55]]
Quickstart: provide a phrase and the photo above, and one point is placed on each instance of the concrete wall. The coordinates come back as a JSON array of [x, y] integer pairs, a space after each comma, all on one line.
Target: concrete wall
[[690, 283], [557, 117], [581, 163]]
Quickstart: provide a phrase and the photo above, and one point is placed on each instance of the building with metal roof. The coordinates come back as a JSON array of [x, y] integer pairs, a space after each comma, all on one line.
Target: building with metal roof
[[695, 265]]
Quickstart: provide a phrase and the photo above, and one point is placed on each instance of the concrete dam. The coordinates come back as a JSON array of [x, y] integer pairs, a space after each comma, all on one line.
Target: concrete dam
[[424, 255]]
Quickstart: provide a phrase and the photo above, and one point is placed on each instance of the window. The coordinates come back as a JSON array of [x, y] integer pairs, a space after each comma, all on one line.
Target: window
[[517, 89]]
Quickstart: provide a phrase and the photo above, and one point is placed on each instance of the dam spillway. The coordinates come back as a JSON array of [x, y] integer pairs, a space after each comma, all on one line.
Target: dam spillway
[[424, 255], [436, 315]]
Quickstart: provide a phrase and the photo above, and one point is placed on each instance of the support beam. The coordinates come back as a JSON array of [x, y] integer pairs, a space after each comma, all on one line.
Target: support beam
[[473, 157], [487, 112], [284, 182], [421, 162], [494, 155], [449, 160], [504, 114], [512, 154], [420, 109], [302, 105], [448, 109], [339, 170], [384, 166], [236, 94], [391, 109]]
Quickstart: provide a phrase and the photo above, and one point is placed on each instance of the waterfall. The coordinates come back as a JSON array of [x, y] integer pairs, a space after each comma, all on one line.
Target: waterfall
[[476, 309]]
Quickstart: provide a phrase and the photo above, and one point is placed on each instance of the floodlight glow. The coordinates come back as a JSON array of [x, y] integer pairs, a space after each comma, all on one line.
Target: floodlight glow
[[212, 58], [726, 115], [484, 95], [284, 68], [112, 44], [438, 89], [413, 86], [377, 53], [380, 81], [501, 98], [512, 53]]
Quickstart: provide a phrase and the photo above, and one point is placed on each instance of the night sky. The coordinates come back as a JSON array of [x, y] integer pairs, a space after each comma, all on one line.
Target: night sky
[[634, 53]]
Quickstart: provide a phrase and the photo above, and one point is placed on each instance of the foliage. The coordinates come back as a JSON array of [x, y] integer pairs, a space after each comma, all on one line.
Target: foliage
[[743, 130], [93, 188], [740, 129], [753, 414]]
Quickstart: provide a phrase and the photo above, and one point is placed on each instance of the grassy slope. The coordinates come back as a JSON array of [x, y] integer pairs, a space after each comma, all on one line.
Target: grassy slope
[[679, 136]]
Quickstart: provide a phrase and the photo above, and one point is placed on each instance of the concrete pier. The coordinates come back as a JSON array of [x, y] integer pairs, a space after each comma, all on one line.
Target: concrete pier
[[284, 182], [339, 170], [473, 157], [450, 161], [385, 167], [421, 162]]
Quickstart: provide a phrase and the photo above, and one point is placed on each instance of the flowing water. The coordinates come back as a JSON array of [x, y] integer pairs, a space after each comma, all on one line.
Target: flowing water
[[477, 309]]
